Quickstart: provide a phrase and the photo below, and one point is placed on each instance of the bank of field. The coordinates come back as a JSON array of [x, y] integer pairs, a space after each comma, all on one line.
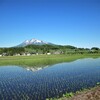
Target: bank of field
[[86, 94], [42, 60]]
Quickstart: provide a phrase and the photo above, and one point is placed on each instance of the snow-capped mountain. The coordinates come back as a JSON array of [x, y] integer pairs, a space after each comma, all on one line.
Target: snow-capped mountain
[[34, 42]]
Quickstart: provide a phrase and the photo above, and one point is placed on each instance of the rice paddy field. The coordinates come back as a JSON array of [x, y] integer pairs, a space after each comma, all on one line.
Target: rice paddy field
[[64, 75], [42, 60], [18, 83]]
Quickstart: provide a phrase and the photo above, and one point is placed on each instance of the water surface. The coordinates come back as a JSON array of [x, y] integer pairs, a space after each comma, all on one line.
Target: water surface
[[17, 83]]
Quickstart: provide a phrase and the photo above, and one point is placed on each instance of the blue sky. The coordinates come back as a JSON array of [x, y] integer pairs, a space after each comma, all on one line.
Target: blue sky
[[66, 22]]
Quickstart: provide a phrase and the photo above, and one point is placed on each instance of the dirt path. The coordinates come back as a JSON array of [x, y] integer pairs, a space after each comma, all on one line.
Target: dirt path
[[93, 94]]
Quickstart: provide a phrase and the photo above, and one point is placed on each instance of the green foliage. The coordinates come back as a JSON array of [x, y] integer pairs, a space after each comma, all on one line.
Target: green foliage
[[68, 95], [98, 83], [44, 49], [12, 51], [51, 48], [94, 48]]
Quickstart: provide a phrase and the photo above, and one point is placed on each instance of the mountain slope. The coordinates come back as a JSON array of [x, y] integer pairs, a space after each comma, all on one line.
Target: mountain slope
[[34, 42]]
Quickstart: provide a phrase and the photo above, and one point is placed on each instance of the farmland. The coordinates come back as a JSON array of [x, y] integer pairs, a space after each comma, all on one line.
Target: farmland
[[54, 81], [42, 60]]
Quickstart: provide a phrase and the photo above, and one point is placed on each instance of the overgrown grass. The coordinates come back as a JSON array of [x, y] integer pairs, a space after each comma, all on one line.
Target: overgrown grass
[[68, 96], [42, 60]]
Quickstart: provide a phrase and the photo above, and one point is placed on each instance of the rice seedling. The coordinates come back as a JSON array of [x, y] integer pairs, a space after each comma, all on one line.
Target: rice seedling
[[17, 83]]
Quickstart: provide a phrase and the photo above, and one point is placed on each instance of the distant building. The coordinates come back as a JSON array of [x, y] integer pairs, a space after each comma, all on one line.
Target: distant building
[[37, 53], [0, 55], [4, 54], [57, 52], [28, 54], [48, 53], [23, 54]]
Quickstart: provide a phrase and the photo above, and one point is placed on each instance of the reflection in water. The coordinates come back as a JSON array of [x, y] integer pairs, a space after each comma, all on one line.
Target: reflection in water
[[17, 83]]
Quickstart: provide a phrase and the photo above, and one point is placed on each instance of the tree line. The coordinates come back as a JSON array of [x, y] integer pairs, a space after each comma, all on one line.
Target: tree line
[[45, 49]]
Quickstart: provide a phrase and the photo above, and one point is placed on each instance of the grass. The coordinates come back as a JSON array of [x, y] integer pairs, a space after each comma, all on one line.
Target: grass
[[85, 94], [42, 60]]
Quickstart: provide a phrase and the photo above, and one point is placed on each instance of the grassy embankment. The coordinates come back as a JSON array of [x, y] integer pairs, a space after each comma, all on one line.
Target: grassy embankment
[[42, 60], [85, 94]]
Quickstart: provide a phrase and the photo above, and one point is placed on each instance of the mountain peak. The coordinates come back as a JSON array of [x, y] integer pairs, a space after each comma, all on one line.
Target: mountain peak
[[33, 42], [26, 41]]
